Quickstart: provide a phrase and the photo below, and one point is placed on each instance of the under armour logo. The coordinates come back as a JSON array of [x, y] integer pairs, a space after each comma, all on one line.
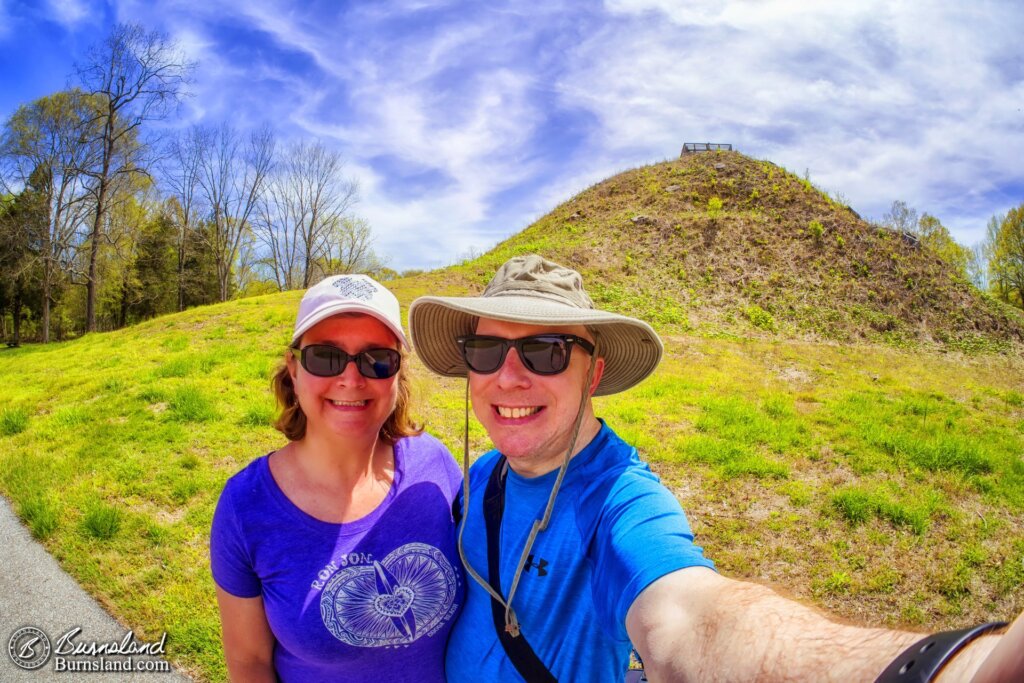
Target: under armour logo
[[541, 566]]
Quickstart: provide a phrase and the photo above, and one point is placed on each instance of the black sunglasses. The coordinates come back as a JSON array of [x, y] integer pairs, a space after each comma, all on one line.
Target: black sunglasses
[[543, 354], [324, 360]]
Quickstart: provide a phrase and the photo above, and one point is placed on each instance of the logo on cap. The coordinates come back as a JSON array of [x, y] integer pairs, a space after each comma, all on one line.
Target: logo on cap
[[354, 288]]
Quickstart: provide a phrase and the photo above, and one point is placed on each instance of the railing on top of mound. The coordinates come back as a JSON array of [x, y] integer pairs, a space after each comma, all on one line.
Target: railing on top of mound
[[691, 147]]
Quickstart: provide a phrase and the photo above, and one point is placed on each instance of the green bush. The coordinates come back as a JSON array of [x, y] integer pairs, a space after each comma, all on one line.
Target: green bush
[[715, 207], [759, 318], [817, 229]]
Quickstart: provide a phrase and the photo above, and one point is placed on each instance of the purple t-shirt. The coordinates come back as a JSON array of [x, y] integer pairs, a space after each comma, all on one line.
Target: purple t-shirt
[[372, 599]]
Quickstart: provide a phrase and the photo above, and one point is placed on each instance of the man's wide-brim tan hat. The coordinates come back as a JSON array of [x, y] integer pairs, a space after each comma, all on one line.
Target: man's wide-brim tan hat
[[534, 291]]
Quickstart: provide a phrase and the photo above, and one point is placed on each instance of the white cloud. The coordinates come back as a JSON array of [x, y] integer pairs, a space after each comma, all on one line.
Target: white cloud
[[880, 101], [70, 13], [5, 20]]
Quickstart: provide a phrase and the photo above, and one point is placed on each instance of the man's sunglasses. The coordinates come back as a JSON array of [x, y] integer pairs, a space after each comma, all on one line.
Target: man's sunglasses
[[543, 354], [324, 360]]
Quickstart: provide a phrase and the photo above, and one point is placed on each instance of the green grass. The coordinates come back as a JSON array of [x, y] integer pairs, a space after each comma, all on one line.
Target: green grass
[[13, 421], [101, 521], [190, 404], [857, 506], [42, 515], [885, 485]]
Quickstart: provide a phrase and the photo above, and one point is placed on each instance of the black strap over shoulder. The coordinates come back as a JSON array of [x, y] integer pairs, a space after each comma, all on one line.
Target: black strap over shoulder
[[526, 661], [457, 510]]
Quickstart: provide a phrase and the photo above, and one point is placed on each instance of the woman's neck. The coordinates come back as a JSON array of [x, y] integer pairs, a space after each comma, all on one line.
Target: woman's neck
[[334, 481], [338, 461]]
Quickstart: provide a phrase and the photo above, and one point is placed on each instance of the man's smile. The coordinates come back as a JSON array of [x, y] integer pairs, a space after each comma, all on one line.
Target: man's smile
[[517, 412]]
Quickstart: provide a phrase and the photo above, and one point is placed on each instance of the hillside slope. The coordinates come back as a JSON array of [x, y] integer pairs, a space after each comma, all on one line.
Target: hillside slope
[[719, 242]]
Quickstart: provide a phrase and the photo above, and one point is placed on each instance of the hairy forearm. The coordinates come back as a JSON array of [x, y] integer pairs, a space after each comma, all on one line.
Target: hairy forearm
[[693, 628]]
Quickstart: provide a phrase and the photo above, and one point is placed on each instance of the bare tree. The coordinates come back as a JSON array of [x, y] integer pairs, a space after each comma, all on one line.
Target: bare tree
[[180, 174], [306, 201], [232, 178], [350, 250], [43, 149], [901, 218], [133, 76]]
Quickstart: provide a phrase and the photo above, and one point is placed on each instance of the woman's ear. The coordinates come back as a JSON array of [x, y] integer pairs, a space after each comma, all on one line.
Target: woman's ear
[[292, 363]]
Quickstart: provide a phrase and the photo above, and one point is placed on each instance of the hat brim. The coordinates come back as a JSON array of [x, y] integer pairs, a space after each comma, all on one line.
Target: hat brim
[[630, 347], [348, 307]]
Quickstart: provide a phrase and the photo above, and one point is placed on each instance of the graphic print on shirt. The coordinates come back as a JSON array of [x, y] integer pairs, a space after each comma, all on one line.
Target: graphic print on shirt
[[410, 593]]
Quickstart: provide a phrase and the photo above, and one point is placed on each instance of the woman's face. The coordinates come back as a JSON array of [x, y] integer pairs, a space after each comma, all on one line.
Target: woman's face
[[348, 404]]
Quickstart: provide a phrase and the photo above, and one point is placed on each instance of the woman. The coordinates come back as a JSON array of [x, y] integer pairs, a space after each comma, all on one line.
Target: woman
[[334, 557]]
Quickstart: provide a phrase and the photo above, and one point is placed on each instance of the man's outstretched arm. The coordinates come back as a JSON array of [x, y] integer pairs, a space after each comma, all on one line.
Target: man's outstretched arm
[[695, 625]]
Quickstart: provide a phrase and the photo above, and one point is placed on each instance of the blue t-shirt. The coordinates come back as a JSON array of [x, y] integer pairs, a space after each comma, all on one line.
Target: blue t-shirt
[[372, 599], [614, 530]]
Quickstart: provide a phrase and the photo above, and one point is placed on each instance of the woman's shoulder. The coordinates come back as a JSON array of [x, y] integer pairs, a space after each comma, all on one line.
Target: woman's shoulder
[[423, 445], [424, 457], [247, 480]]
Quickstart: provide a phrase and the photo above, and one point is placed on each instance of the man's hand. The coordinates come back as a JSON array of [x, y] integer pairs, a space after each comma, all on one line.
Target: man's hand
[[1006, 662]]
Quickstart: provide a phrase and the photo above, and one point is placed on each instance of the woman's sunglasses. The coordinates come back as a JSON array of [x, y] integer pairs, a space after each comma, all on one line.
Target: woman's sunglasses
[[324, 360], [543, 354]]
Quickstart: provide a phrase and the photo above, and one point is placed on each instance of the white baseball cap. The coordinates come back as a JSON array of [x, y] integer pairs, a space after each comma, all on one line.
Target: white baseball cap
[[348, 294]]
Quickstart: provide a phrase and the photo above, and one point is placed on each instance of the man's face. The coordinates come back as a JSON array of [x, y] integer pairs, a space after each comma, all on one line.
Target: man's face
[[530, 417]]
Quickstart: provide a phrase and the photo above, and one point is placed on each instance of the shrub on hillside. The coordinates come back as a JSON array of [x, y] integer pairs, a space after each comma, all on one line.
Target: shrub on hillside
[[715, 207], [759, 318]]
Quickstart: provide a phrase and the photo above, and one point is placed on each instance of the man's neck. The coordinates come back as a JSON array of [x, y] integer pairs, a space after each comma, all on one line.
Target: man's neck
[[589, 429]]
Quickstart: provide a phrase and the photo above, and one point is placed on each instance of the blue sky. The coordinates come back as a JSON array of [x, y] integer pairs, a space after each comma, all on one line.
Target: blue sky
[[465, 121]]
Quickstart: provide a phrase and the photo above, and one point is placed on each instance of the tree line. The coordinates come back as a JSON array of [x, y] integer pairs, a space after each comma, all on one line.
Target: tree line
[[995, 265], [105, 220]]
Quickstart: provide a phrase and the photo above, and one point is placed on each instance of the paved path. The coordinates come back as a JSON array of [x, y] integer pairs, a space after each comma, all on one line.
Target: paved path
[[35, 591]]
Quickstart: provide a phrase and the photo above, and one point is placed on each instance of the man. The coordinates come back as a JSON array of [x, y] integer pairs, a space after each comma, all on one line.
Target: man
[[577, 551]]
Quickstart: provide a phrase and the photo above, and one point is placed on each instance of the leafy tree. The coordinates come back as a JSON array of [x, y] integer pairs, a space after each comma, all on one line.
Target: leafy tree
[[1006, 267], [934, 235], [20, 219], [202, 284], [931, 234], [43, 148], [156, 265]]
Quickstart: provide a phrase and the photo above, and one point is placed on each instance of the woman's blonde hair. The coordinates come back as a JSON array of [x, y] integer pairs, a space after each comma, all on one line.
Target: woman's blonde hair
[[292, 421]]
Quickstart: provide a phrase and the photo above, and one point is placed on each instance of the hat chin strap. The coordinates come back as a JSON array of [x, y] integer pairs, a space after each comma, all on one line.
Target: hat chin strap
[[511, 621]]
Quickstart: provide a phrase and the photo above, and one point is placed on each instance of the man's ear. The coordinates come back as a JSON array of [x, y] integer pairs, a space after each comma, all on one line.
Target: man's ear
[[598, 371]]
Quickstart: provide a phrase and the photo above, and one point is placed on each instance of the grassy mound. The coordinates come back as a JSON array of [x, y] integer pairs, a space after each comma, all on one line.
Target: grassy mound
[[721, 243]]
